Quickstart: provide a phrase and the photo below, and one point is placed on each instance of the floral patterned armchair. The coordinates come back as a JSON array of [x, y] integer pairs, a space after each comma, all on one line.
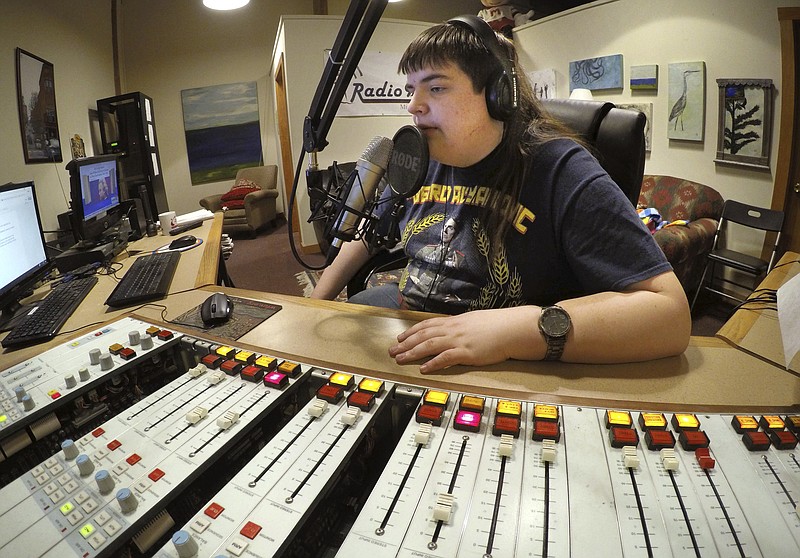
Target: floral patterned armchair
[[686, 245]]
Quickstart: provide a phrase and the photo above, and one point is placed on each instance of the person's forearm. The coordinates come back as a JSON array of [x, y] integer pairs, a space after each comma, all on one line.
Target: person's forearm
[[336, 276]]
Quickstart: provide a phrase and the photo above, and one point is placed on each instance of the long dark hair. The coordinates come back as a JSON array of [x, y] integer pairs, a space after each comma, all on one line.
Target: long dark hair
[[528, 128]]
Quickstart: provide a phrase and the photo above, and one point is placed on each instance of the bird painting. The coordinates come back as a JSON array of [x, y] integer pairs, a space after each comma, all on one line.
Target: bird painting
[[676, 113], [686, 98]]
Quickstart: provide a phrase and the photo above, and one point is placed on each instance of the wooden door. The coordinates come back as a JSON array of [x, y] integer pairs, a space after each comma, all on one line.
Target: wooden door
[[786, 192], [285, 142]]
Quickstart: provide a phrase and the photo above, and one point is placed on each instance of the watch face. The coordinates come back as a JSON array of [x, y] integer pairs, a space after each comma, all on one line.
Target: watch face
[[555, 322]]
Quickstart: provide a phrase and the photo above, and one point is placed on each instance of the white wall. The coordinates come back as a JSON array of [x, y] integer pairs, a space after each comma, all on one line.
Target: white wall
[[78, 44]]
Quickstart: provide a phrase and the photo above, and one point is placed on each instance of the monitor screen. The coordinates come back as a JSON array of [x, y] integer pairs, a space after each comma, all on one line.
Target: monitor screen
[[22, 246], [94, 188]]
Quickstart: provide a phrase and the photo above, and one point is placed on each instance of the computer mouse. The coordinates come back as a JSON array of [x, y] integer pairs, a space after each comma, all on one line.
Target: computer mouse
[[216, 309], [182, 242]]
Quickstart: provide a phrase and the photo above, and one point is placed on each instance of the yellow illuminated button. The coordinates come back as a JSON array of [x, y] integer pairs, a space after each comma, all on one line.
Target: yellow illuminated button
[[245, 356], [291, 369], [226, 352], [509, 408], [371, 386], [472, 403], [618, 418], [793, 422], [744, 423], [772, 422], [66, 508], [3, 418], [545, 412], [267, 362], [685, 421], [152, 331], [437, 398], [652, 420], [342, 380], [87, 530], [115, 348]]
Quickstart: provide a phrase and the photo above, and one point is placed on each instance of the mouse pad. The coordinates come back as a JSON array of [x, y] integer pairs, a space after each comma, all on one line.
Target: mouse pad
[[247, 314]]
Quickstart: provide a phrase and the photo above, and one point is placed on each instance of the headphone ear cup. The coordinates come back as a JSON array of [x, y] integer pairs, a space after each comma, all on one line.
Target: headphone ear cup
[[500, 96]]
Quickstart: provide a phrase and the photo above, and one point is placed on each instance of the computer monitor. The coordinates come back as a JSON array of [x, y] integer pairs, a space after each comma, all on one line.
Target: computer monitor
[[95, 197], [22, 247]]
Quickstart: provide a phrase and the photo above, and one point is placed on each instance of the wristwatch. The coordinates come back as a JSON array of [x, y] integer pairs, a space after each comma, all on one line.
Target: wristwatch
[[554, 323]]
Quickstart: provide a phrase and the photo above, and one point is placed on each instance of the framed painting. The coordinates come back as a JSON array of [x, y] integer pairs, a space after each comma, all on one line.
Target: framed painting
[[36, 100], [745, 122], [687, 101], [543, 83], [604, 72], [647, 110]]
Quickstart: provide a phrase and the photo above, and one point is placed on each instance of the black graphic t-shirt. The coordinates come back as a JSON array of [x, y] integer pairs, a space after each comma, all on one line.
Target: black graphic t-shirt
[[574, 233]]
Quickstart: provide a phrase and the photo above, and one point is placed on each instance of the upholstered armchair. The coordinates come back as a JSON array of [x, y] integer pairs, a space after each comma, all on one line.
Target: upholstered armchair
[[685, 245], [251, 202]]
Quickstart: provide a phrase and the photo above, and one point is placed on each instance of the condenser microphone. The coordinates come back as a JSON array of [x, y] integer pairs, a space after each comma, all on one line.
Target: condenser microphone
[[359, 191]]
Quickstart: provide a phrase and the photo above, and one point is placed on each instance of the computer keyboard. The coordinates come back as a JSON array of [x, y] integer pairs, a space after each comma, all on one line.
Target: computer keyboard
[[148, 278], [48, 317]]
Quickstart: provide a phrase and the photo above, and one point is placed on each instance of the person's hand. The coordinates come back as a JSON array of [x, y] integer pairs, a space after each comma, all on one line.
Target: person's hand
[[474, 338]]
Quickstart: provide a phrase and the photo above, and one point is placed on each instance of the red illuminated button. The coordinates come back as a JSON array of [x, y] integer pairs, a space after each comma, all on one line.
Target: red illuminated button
[[115, 348], [97, 432], [156, 474], [793, 423], [782, 439], [329, 393], [506, 425], [276, 380], [659, 439], [692, 439], [114, 444], [618, 418], [291, 369], [127, 353], [648, 421], [362, 400], [430, 413], [213, 510], [231, 367], [133, 459], [755, 441], [212, 361], [472, 403], [165, 335], [54, 394], [704, 458], [252, 373], [250, 530], [546, 430], [685, 421], [468, 421], [744, 423], [621, 437], [771, 422]]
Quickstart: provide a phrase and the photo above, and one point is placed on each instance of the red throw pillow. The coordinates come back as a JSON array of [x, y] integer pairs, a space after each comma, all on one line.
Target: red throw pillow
[[234, 199]]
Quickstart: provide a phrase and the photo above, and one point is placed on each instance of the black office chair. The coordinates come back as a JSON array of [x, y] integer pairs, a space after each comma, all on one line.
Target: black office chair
[[616, 136], [750, 216]]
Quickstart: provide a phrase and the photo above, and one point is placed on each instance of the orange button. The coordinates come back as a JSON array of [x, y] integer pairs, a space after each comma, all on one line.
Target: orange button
[[472, 403], [437, 397], [771, 422], [685, 421], [652, 420], [743, 423], [545, 412]]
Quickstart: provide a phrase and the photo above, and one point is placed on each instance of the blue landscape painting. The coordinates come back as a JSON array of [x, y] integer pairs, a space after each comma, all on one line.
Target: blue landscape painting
[[222, 131]]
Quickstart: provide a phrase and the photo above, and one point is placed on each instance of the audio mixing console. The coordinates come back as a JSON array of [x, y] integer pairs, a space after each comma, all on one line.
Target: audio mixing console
[[244, 454]]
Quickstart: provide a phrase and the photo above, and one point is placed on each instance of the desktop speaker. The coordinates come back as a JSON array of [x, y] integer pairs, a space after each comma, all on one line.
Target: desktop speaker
[[133, 209]]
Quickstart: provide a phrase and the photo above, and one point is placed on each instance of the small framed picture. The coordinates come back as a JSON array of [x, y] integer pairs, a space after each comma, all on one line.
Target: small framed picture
[[745, 122], [38, 119]]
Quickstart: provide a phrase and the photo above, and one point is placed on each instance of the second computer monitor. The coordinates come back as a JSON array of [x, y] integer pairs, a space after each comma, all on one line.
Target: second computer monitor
[[94, 189]]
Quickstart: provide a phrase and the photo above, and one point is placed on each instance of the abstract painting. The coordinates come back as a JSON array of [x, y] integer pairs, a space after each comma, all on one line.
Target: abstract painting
[[644, 77], [745, 122], [687, 101], [647, 110], [604, 72], [222, 130]]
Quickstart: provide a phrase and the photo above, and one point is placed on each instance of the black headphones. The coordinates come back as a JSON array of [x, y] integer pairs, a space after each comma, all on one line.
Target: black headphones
[[502, 91]]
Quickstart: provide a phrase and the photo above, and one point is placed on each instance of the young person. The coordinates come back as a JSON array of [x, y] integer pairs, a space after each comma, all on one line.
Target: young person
[[518, 232]]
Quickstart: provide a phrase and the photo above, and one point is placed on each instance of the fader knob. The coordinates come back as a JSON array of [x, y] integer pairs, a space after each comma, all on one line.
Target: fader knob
[[134, 337], [146, 343], [126, 500], [94, 356], [106, 362], [70, 380], [84, 374], [20, 392], [105, 482], [70, 449], [85, 465], [28, 403], [184, 544]]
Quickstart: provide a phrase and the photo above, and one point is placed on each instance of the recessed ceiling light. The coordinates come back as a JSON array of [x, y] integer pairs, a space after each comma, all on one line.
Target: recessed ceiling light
[[225, 4]]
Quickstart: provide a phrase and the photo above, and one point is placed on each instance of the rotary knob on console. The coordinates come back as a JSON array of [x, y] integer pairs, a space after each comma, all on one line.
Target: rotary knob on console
[[84, 374], [85, 465], [134, 337], [70, 381], [106, 362], [185, 544], [28, 403], [146, 343], [94, 356], [126, 500], [105, 482], [70, 449], [20, 392]]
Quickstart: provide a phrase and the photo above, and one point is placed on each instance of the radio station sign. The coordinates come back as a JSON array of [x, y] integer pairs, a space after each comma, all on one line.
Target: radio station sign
[[376, 88]]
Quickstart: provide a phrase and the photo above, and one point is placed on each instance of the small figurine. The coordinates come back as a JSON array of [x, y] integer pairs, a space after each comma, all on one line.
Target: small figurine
[[503, 16]]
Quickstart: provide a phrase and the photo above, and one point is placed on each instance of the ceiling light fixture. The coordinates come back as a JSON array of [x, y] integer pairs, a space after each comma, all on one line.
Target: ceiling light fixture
[[225, 4]]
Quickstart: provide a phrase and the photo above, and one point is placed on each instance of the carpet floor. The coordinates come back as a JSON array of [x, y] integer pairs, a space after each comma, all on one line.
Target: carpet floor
[[266, 263]]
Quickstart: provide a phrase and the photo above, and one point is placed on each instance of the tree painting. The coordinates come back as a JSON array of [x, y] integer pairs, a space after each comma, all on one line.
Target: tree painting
[[745, 122], [741, 123]]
